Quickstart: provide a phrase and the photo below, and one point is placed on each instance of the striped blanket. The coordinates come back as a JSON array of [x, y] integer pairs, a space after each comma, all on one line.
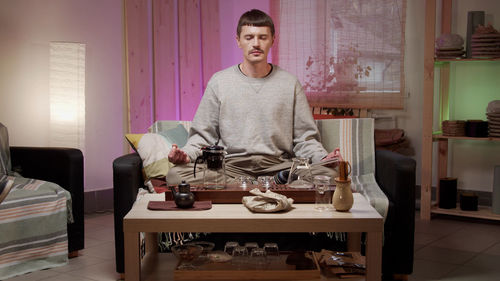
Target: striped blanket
[[355, 138], [33, 226]]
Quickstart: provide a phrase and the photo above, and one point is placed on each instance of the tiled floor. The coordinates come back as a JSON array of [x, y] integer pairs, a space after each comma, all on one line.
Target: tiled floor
[[445, 249], [456, 249]]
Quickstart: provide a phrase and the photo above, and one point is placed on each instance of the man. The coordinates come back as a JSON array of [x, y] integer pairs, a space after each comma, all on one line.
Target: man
[[259, 113], [256, 110]]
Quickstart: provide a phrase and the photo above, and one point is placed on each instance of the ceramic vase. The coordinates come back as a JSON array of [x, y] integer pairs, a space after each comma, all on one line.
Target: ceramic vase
[[342, 197]]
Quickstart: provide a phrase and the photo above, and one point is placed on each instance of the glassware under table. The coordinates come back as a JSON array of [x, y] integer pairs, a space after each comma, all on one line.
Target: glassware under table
[[240, 257], [230, 246]]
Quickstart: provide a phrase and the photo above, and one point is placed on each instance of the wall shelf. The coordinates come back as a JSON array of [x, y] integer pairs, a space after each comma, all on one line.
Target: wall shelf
[[483, 212], [429, 137], [442, 61], [441, 137]]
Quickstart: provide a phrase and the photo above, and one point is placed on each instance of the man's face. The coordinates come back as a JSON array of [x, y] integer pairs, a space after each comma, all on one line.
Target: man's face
[[255, 42]]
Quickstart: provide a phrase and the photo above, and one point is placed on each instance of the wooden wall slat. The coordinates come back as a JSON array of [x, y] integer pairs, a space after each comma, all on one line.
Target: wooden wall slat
[[427, 114], [210, 34], [139, 64], [190, 84], [275, 15], [165, 67]]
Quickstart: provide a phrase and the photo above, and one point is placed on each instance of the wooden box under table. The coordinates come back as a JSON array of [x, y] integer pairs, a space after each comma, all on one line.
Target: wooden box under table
[[274, 269]]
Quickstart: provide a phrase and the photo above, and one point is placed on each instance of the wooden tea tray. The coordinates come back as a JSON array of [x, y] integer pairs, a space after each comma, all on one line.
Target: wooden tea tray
[[234, 193], [274, 270]]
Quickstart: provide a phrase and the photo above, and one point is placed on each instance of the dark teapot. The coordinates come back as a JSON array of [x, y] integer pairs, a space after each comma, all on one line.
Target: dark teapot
[[184, 198]]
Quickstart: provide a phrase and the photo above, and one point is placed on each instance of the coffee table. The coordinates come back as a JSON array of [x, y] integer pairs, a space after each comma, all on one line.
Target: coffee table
[[237, 218]]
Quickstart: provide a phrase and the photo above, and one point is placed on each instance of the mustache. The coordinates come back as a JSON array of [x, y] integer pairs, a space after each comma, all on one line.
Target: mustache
[[256, 50]]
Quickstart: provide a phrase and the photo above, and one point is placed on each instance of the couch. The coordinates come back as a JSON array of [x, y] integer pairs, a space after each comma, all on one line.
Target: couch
[[385, 178], [43, 206], [63, 166]]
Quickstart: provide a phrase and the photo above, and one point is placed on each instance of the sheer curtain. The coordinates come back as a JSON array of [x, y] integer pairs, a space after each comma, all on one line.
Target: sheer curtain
[[347, 54]]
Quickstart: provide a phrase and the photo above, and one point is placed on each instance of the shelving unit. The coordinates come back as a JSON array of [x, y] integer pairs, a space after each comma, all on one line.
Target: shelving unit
[[428, 136]]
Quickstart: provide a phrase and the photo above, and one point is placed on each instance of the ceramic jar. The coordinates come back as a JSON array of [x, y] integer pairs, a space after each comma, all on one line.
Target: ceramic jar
[[342, 196]]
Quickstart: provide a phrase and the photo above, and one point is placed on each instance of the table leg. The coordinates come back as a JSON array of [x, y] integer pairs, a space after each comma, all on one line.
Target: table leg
[[150, 260], [132, 256], [354, 241], [374, 256]]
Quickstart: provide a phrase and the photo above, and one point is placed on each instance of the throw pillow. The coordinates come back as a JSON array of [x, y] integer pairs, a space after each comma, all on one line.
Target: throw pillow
[[153, 150], [153, 147]]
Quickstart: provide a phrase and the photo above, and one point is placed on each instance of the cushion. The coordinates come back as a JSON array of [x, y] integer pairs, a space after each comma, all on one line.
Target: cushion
[[5, 164], [153, 147], [153, 150]]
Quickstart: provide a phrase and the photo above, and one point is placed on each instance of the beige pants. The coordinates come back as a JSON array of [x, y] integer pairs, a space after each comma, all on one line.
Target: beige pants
[[250, 166]]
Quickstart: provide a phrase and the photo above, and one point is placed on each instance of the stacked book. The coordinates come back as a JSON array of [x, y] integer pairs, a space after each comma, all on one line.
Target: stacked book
[[493, 115], [450, 46], [485, 43], [454, 128]]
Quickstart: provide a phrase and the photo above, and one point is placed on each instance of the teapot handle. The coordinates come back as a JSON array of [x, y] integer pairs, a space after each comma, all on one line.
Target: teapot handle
[[199, 159]]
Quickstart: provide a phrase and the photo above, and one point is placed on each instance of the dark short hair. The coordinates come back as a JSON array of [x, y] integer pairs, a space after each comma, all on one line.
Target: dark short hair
[[255, 18]]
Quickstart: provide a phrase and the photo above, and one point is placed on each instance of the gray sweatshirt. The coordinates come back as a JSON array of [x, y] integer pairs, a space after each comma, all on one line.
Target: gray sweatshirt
[[248, 116]]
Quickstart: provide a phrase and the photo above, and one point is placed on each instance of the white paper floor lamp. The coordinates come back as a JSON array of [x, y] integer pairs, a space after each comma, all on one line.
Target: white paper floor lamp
[[67, 95]]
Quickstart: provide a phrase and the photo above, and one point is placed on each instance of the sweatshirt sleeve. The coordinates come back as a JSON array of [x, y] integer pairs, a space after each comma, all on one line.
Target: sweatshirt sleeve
[[306, 138], [205, 127]]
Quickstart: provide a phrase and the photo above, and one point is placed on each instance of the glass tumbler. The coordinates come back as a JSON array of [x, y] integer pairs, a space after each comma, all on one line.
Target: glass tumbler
[[258, 257], [229, 247], [244, 182], [271, 250], [240, 257], [265, 181], [250, 246], [323, 194]]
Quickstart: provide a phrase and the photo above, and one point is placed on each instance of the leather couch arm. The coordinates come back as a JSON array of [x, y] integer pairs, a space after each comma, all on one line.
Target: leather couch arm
[[63, 166], [395, 174], [127, 178]]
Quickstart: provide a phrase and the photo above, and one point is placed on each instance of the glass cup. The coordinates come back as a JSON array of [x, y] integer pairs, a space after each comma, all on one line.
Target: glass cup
[[265, 181], [230, 246], [258, 258], [323, 194], [271, 249], [244, 181], [250, 246], [240, 256]]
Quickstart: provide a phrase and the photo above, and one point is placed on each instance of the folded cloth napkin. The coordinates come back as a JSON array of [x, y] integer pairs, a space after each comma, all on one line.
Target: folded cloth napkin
[[267, 202]]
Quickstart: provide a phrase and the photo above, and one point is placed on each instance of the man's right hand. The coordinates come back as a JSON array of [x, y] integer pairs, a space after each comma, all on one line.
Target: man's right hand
[[178, 156]]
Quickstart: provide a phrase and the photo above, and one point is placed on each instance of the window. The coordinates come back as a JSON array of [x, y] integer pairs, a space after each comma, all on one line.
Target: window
[[347, 54]]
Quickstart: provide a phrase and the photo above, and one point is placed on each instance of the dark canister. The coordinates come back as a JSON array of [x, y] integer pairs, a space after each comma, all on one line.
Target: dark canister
[[468, 201], [448, 193], [476, 128]]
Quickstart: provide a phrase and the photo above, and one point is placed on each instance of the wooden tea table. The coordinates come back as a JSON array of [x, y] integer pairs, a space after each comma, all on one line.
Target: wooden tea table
[[237, 218]]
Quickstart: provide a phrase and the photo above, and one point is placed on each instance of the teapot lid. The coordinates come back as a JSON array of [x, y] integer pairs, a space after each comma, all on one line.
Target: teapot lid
[[213, 148], [183, 184]]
